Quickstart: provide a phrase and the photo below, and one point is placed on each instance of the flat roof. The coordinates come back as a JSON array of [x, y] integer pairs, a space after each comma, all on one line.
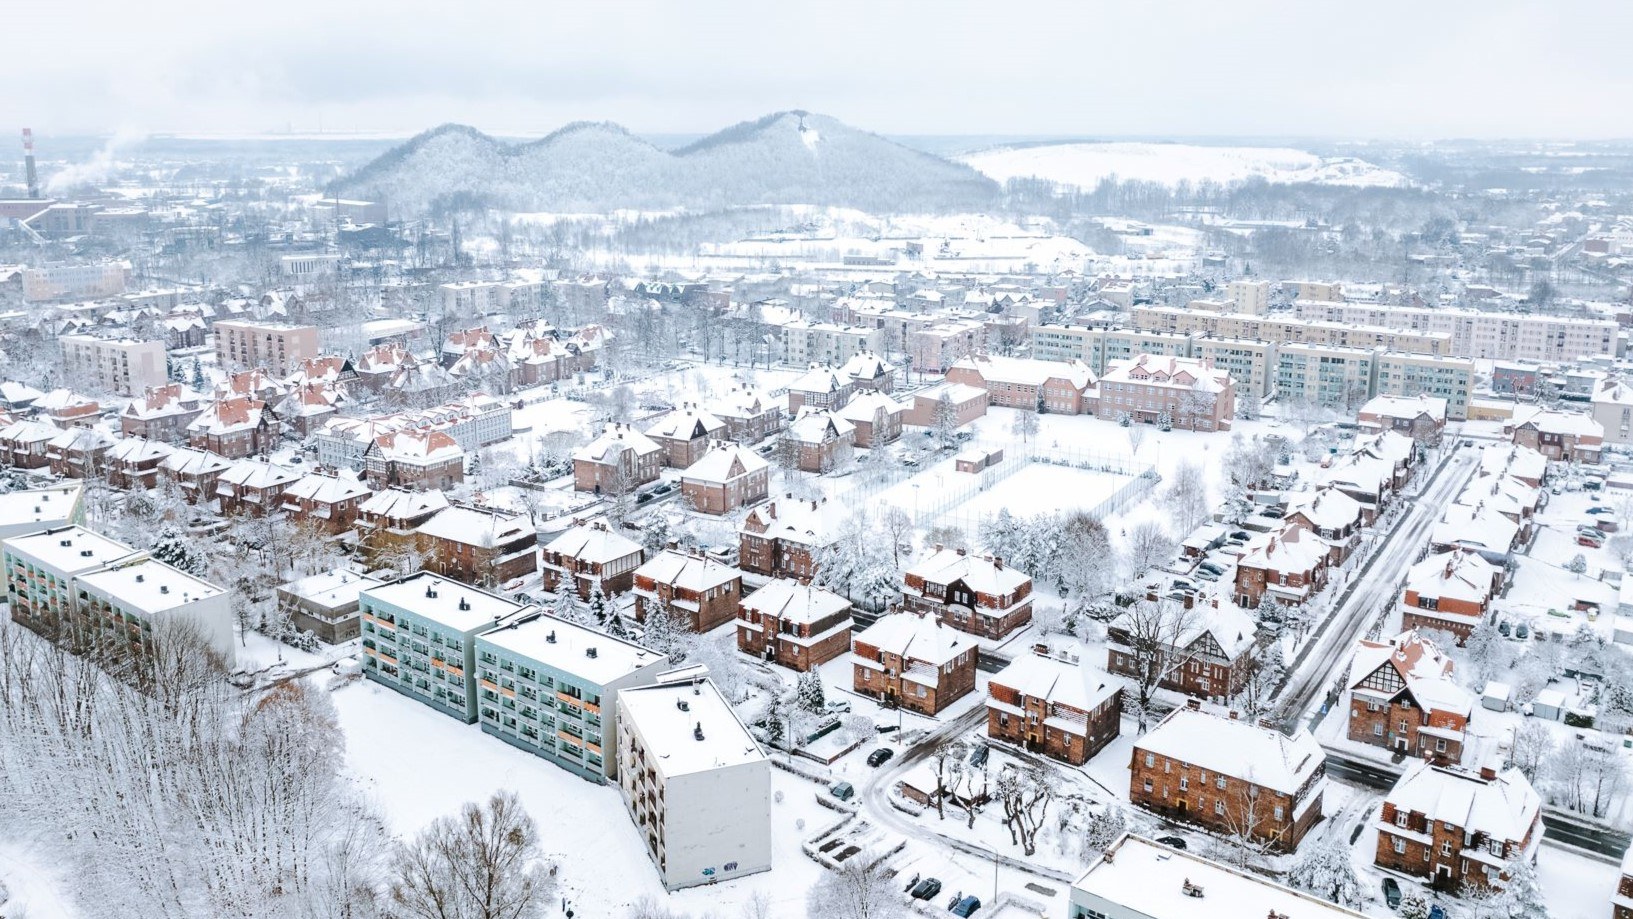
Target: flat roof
[[458, 606], [337, 587], [670, 731], [43, 506], [1153, 880], [566, 646], [71, 550], [149, 586]]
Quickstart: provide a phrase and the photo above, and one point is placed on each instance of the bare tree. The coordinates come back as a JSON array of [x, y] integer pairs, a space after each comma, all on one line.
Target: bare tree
[[1025, 426], [944, 420], [1187, 496], [1157, 636], [858, 889], [483, 864], [898, 527], [948, 758], [1136, 436], [1025, 793], [1148, 546]]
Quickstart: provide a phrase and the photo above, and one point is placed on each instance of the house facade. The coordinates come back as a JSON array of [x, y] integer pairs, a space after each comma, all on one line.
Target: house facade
[[974, 594], [794, 625], [1459, 829], [1050, 705], [914, 661]]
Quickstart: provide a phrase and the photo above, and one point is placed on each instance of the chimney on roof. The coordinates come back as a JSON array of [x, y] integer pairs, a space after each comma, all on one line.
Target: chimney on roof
[[1194, 704], [1267, 724], [998, 562], [1235, 715], [1488, 773], [591, 653], [697, 732], [961, 551]]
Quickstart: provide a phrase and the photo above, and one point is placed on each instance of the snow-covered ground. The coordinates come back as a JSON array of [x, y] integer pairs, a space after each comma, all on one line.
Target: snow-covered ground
[[30, 886], [1086, 164]]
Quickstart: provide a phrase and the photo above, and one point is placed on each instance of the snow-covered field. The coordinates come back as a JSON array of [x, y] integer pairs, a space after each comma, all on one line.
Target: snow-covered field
[[30, 887], [1086, 164]]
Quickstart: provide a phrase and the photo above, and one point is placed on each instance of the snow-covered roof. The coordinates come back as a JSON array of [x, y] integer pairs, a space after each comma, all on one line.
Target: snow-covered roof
[[1240, 749], [813, 427], [1549, 421], [1291, 548], [820, 379], [915, 637], [682, 739], [419, 447], [225, 416], [571, 648], [866, 366], [723, 462], [149, 586], [29, 431], [1023, 371], [1504, 807], [1613, 392], [1425, 669], [613, 441], [331, 589], [687, 572], [258, 474], [137, 449], [402, 504], [744, 403], [483, 527], [458, 606], [956, 393], [1038, 676], [686, 423], [981, 574], [163, 401], [594, 544], [36, 508], [866, 405], [1513, 459], [13, 392], [808, 523], [1326, 508], [1169, 371], [1232, 628], [327, 487], [188, 461], [1452, 575], [1477, 527], [791, 601], [70, 549], [1406, 407]]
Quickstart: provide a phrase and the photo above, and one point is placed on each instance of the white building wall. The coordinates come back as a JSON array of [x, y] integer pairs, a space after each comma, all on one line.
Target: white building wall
[[716, 818]]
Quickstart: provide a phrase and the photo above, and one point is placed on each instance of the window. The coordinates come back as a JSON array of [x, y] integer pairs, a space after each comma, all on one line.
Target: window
[[1400, 819], [1150, 760], [1220, 783], [1279, 812], [1219, 808], [1400, 846], [1446, 847], [1184, 783], [1147, 786], [1378, 730]]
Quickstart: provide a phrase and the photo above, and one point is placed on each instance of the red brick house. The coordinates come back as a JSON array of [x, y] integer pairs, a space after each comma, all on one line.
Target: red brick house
[[309, 405], [1193, 394], [695, 591], [912, 660], [422, 459], [1332, 516], [1402, 698], [820, 441], [1209, 654], [67, 409], [589, 553], [868, 370], [78, 453], [620, 460], [133, 463], [1568, 437], [1421, 418], [327, 501], [1459, 829], [1450, 591], [23, 444], [876, 417], [1054, 706], [726, 478], [1289, 565], [795, 625], [389, 521], [235, 427], [750, 415], [782, 538], [163, 413], [685, 435], [482, 546], [195, 472], [971, 593], [1062, 387], [1229, 776], [254, 487]]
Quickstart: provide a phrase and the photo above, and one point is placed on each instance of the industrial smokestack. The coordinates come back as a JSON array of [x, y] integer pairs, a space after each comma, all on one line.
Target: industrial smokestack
[[28, 159]]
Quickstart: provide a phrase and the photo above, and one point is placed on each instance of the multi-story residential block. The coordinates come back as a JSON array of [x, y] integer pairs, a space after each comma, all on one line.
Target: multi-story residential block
[[685, 434], [1315, 291], [1289, 565], [796, 625], [1421, 418], [41, 568], [326, 604], [695, 782], [162, 413], [1250, 297], [819, 441], [617, 462], [1231, 777], [388, 523], [1252, 364], [546, 686], [51, 507], [277, 346], [914, 661], [782, 538], [876, 416], [1450, 591], [1568, 437], [474, 422], [727, 477], [235, 427], [1402, 698], [1324, 375], [590, 554], [1283, 328], [1450, 379], [140, 602], [327, 502], [1069, 343], [1054, 706], [934, 348], [1479, 334], [125, 366], [1138, 878], [750, 415], [1033, 385], [1191, 394], [75, 282], [419, 638], [479, 545], [1119, 346], [1613, 409], [695, 591], [1208, 651], [1459, 829], [975, 594], [806, 342]]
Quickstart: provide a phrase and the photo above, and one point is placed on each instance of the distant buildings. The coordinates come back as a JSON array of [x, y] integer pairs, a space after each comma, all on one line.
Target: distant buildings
[[278, 347], [124, 366], [75, 282]]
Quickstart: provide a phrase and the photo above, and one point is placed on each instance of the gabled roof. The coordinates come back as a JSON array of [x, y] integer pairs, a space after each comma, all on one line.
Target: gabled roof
[[402, 504], [613, 441], [808, 523], [1505, 807], [137, 449], [1076, 685], [866, 404], [163, 401], [1023, 371], [791, 601], [327, 487], [822, 379], [814, 427], [594, 544], [258, 474], [224, 416], [725, 461], [916, 637], [866, 366], [1452, 576], [1239, 749], [1325, 507], [1406, 407], [483, 527], [687, 572], [1477, 527], [1291, 548], [1166, 370], [686, 423], [188, 461], [979, 573]]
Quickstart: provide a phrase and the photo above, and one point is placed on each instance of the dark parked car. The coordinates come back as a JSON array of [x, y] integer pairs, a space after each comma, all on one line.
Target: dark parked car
[[978, 756], [1437, 912], [1172, 841], [925, 889], [1600, 510], [880, 756], [844, 791], [1392, 893], [965, 907]]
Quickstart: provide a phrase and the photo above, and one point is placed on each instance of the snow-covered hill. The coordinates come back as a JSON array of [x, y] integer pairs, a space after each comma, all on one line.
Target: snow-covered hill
[[1085, 164], [785, 158]]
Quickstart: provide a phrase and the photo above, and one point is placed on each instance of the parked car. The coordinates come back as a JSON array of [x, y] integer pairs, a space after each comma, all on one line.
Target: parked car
[[1211, 568], [965, 907], [1392, 893], [1600, 509], [1592, 542], [844, 791], [1586, 530], [1522, 631], [1504, 629], [978, 756], [880, 756], [838, 706], [1173, 842], [925, 889], [1207, 576], [1437, 912]]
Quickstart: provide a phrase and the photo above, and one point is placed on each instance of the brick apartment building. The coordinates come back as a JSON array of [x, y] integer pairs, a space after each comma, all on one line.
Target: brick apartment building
[[819, 441], [1209, 654], [726, 478], [1054, 706], [235, 427], [161, 413], [620, 460], [1568, 437], [820, 389], [388, 522], [1229, 776], [589, 553], [133, 463], [254, 487], [1061, 387], [1403, 699], [782, 538], [695, 591], [483, 546], [328, 502], [1450, 591], [971, 593], [1459, 829], [685, 435], [876, 417], [913, 660], [1422, 418], [1193, 394], [1289, 565], [750, 415], [794, 625], [425, 460]]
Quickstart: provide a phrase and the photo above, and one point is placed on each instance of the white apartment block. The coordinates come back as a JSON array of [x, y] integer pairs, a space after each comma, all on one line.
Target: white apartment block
[[1252, 364], [1286, 328], [1323, 375], [276, 346], [1067, 343], [1325, 291], [75, 282], [311, 265], [1122, 345], [695, 782], [1250, 297], [825, 343], [485, 297], [1399, 373], [1480, 335], [123, 366]]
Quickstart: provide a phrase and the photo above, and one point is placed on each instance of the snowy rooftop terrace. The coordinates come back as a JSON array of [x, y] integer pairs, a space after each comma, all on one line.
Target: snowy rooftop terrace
[[671, 731], [458, 606], [571, 648]]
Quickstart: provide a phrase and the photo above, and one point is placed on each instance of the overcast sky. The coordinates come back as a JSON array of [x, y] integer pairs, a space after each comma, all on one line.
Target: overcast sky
[[1378, 68]]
